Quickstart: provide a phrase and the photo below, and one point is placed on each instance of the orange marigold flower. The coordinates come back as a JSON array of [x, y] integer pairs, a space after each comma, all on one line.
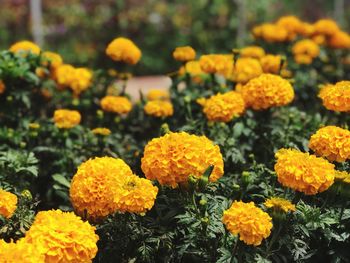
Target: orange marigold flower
[[62, 237], [66, 119], [326, 27], [159, 108], [246, 69], [116, 104], [223, 107], [331, 142], [336, 97], [339, 40], [8, 204], [64, 75], [21, 251], [124, 50], [305, 48], [248, 221], [81, 80], [267, 91], [342, 176], [303, 172], [172, 158], [306, 29], [95, 186], [292, 24], [279, 204], [158, 94], [216, 64], [25, 46], [252, 52], [303, 59], [101, 131], [2, 87], [51, 59], [184, 54], [271, 63], [194, 69], [271, 33]]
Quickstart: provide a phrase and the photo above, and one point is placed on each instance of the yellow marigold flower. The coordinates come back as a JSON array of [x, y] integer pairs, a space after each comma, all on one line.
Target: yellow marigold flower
[[159, 108], [306, 47], [51, 59], [64, 74], [136, 195], [62, 237], [326, 27], [246, 69], [124, 50], [252, 52], [172, 158], [303, 172], [292, 24], [101, 131], [306, 29], [271, 33], [340, 176], [116, 104], [303, 59], [194, 69], [248, 221], [2, 87], [95, 186], [8, 203], [184, 54], [21, 251], [25, 46], [279, 204], [339, 40], [158, 94], [216, 64], [336, 97], [271, 63], [66, 119], [80, 81], [331, 142], [267, 91], [34, 125], [223, 107]]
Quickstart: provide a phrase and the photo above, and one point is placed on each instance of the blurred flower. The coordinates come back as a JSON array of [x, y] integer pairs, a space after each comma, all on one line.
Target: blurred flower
[[246, 69], [2, 87], [51, 59], [40, 72], [342, 176], [339, 40], [101, 131], [305, 51], [325, 27], [279, 204], [116, 104], [21, 251], [25, 46], [8, 204], [291, 24], [336, 97], [62, 237], [223, 107], [306, 29], [331, 142], [303, 172], [123, 50], [270, 33], [66, 119], [64, 75], [172, 158], [248, 221], [252, 52], [219, 64], [159, 108], [267, 91], [194, 69], [184, 54], [271, 63], [80, 81], [158, 94]]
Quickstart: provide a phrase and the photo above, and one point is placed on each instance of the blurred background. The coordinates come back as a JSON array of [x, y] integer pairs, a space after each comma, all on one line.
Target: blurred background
[[80, 29]]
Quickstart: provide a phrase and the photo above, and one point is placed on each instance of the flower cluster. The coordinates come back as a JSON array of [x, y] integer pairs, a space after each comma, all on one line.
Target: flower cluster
[[124, 50], [216, 64], [66, 119], [223, 107], [101, 131], [116, 104], [25, 46], [184, 54], [279, 204], [336, 97], [248, 221], [158, 94], [331, 142], [305, 51], [21, 251], [303, 172], [172, 158], [267, 91], [159, 108], [8, 203]]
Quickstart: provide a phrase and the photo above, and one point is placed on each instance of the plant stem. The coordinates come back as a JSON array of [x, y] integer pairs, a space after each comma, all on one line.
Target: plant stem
[[273, 239]]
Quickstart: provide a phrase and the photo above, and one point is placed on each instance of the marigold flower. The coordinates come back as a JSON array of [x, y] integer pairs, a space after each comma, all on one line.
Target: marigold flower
[[342, 176], [62, 237], [271, 63], [303, 49], [95, 186], [339, 39], [306, 29], [64, 75], [8, 204], [136, 195], [303, 59], [303, 172], [2, 87], [51, 59], [21, 251], [331, 142], [325, 27], [279, 204], [223, 107], [194, 69], [252, 52], [248, 221], [101, 131], [292, 24], [171, 158], [124, 50], [336, 97], [158, 94], [159, 108], [271, 33], [25, 46], [116, 104], [219, 64], [246, 69], [66, 119], [80, 80], [184, 54], [267, 91]]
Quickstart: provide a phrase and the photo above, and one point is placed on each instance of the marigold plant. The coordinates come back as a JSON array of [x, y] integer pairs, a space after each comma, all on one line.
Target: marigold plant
[[336, 97], [123, 50], [8, 203], [279, 204], [158, 108], [252, 224], [66, 119], [116, 104]]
